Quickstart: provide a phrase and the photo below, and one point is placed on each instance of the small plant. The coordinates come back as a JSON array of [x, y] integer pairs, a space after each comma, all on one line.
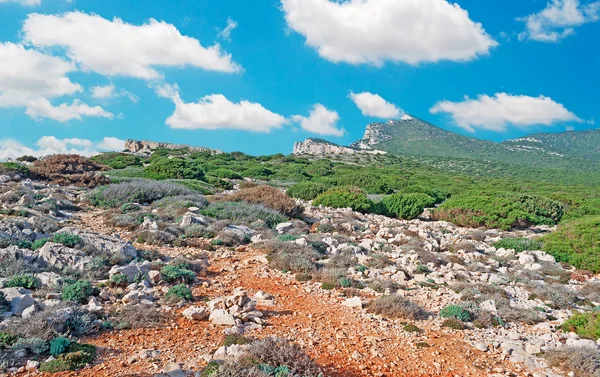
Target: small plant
[[287, 237], [78, 291], [586, 325], [179, 292], [456, 312], [453, 323], [130, 207], [232, 339], [7, 340], [328, 286], [173, 273], [303, 277], [26, 281], [38, 244], [411, 328], [69, 240], [119, 280], [75, 357], [36, 345], [396, 306], [59, 345]]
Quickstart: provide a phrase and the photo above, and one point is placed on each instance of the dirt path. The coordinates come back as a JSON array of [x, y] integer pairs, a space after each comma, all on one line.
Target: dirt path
[[344, 341]]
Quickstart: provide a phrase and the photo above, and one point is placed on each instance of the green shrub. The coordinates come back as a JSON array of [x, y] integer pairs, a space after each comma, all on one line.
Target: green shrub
[[586, 325], [411, 328], [36, 345], [116, 160], [75, 357], [406, 206], [498, 210], [438, 194], [456, 312], [232, 339], [306, 190], [78, 291], [179, 292], [174, 273], [576, 242], [26, 281], [38, 244], [453, 323], [518, 244], [174, 168], [7, 340], [119, 280], [69, 240], [225, 173], [59, 345], [345, 198]]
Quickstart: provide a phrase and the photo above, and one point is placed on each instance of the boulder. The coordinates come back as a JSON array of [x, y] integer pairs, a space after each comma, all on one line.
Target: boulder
[[284, 227], [195, 313], [192, 218], [222, 317], [19, 298], [60, 257], [354, 302]]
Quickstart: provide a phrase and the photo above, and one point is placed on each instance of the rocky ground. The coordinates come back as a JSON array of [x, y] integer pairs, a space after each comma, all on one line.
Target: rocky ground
[[516, 300]]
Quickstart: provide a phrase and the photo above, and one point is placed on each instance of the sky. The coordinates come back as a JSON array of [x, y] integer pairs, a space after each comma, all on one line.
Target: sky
[[81, 76]]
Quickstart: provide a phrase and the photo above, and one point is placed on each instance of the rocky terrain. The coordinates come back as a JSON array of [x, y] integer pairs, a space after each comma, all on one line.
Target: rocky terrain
[[318, 147], [146, 147], [168, 286]]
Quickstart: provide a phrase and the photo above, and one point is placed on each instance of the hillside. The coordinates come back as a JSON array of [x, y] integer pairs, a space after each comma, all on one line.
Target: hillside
[[577, 150]]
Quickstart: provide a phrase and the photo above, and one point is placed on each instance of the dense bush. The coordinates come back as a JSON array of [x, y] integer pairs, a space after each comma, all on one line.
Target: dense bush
[[576, 242], [78, 291], [496, 211], [586, 325], [349, 197], [173, 273], [518, 244], [396, 306], [12, 168], [59, 345], [306, 190], [406, 206], [26, 281], [268, 196], [179, 292], [75, 357], [66, 169], [582, 361], [289, 256], [116, 160], [456, 312], [174, 168], [139, 191], [438, 194], [69, 240], [243, 212]]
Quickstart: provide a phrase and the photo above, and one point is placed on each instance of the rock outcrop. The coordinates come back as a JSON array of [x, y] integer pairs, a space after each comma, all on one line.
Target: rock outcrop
[[145, 147], [318, 147]]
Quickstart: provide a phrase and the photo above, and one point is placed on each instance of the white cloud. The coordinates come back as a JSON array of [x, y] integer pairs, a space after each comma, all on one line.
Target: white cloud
[[375, 31], [28, 3], [47, 145], [215, 112], [111, 144], [116, 48], [374, 105], [29, 79], [226, 33], [558, 20], [321, 121], [110, 91], [496, 113]]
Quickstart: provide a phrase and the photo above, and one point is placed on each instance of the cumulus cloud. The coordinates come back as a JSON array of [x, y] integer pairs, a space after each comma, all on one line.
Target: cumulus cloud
[[110, 91], [321, 121], [29, 79], [28, 3], [216, 112], [376, 31], [498, 112], [116, 48], [226, 33], [374, 105], [47, 145], [558, 20]]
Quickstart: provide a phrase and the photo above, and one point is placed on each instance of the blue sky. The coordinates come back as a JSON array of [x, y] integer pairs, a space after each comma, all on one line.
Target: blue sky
[[287, 69]]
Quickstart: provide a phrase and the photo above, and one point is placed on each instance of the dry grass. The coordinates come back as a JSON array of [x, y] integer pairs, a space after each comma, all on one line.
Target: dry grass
[[396, 306], [584, 362], [70, 169], [139, 316], [270, 197]]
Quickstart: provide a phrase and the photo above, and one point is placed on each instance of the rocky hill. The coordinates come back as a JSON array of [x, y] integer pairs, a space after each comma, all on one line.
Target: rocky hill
[[320, 147], [578, 150], [146, 147]]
